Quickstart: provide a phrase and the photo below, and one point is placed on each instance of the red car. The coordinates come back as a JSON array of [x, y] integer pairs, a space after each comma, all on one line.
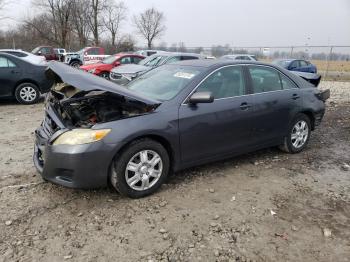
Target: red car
[[104, 67]]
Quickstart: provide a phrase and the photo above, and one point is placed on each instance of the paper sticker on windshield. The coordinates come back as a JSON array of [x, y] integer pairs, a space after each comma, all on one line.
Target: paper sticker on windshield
[[184, 75]]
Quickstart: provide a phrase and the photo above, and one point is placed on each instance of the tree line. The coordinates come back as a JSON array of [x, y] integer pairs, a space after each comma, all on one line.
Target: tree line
[[72, 24]]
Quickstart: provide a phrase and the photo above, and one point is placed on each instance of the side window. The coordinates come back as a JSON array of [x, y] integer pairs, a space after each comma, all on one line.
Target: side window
[[189, 58], [287, 83], [136, 59], [5, 63], [45, 50], [264, 79], [93, 51], [303, 63], [125, 60], [294, 64], [173, 59], [226, 82]]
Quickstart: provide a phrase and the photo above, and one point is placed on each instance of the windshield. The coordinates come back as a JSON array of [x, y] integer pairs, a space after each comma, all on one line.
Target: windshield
[[282, 63], [165, 82], [35, 50], [110, 59], [153, 60]]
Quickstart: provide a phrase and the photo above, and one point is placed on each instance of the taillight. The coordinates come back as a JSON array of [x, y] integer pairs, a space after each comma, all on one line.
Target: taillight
[[323, 95]]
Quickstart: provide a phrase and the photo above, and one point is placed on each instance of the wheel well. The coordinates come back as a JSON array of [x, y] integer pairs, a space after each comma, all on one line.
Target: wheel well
[[164, 142], [311, 116], [75, 60], [26, 81]]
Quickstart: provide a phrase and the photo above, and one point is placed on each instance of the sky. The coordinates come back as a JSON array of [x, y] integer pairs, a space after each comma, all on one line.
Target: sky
[[238, 22]]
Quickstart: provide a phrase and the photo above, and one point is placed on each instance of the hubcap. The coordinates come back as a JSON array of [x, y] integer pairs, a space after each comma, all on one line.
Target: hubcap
[[300, 133], [27, 94], [143, 170]]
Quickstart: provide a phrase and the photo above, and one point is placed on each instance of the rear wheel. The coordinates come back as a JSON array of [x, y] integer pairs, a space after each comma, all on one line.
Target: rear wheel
[[140, 169], [298, 134], [27, 93]]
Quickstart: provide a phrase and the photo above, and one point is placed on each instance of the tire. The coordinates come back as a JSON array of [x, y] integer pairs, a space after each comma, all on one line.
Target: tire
[[105, 75], [298, 135], [75, 64], [131, 170], [27, 93]]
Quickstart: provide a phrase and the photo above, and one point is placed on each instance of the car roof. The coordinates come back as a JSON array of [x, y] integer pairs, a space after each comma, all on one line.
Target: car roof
[[217, 62], [240, 55], [12, 50]]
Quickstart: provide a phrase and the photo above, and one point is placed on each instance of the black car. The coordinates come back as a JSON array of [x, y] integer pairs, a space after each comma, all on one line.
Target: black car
[[173, 117], [23, 80]]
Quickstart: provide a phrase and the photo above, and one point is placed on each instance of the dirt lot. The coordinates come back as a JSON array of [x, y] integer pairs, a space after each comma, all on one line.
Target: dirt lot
[[264, 206]]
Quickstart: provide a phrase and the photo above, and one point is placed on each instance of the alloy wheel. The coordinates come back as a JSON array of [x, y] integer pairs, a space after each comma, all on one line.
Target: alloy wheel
[[27, 94], [143, 170], [300, 133]]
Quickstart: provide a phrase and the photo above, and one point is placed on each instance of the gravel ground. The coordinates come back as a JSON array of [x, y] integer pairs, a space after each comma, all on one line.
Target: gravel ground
[[264, 206]]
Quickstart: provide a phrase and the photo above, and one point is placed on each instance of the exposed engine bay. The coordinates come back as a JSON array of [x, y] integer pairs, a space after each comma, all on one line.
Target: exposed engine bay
[[86, 108]]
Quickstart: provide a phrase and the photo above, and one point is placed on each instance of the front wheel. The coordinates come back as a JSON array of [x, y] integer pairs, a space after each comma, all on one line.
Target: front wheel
[[27, 93], [298, 134], [140, 169]]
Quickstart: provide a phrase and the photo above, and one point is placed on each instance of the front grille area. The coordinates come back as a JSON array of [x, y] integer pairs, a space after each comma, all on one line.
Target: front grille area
[[49, 126]]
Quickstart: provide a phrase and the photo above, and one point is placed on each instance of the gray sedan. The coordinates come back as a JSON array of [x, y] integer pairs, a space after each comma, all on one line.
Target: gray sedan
[[176, 116], [126, 73]]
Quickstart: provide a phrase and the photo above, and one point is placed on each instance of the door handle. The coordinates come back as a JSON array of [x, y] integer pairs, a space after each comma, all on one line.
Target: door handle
[[244, 106], [14, 72], [295, 96]]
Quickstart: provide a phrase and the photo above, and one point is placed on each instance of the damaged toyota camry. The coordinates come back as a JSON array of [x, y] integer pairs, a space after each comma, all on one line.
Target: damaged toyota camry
[[96, 133]]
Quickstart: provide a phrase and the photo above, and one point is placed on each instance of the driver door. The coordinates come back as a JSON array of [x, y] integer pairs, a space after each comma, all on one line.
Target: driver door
[[218, 128]]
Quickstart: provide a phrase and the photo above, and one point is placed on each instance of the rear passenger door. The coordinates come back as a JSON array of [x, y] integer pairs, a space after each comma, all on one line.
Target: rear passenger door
[[276, 99]]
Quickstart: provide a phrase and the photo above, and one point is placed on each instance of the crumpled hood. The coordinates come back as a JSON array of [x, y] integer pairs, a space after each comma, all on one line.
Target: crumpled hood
[[62, 73], [130, 69]]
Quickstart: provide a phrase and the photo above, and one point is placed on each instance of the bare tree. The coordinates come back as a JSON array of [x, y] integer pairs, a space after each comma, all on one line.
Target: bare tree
[[95, 21], [114, 15], [80, 20], [150, 25], [57, 16]]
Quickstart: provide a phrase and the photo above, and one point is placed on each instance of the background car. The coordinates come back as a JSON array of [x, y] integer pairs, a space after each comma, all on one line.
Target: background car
[[60, 52], [34, 59], [302, 68], [21, 79], [104, 67], [173, 117], [85, 56], [148, 52], [124, 74], [296, 65], [240, 57], [47, 51]]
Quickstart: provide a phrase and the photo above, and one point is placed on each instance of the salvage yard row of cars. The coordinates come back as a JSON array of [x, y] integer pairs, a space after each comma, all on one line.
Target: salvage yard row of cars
[[170, 111]]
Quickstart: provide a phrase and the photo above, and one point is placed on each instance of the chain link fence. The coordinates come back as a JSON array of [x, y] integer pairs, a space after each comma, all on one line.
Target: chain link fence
[[333, 62]]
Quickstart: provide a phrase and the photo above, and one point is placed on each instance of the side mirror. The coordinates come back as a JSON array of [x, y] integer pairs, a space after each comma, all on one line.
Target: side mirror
[[39, 53], [201, 97], [117, 63]]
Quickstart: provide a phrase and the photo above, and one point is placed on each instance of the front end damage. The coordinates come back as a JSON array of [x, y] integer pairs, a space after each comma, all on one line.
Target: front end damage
[[68, 108]]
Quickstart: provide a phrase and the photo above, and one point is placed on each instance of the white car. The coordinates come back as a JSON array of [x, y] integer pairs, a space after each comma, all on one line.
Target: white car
[[240, 57], [29, 57]]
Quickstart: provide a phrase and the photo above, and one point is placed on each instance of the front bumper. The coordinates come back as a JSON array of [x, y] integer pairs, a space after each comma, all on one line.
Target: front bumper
[[75, 166]]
